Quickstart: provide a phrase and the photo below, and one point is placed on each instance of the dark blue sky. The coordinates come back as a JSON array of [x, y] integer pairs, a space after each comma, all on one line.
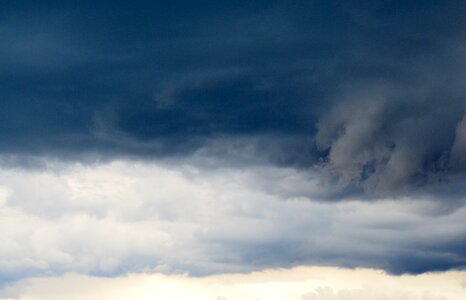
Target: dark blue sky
[[373, 88]]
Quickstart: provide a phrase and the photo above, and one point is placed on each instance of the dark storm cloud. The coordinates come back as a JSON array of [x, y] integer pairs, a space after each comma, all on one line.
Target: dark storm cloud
[[370, 93]]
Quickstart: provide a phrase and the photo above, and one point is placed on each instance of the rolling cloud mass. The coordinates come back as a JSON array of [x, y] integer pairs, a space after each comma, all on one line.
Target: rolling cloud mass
[[190, 140]]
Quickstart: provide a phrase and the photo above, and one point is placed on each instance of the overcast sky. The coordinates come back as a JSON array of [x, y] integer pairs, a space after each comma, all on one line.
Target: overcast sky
[[148, 140]]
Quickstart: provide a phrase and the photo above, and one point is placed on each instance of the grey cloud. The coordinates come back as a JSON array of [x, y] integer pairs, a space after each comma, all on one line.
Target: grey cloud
[[392, 140], [370, 94]]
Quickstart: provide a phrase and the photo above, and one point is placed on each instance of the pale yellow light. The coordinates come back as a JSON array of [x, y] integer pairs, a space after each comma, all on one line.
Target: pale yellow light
[[303, 283]]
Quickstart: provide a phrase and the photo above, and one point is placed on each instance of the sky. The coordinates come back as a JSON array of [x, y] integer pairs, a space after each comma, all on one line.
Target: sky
[[308, 150]]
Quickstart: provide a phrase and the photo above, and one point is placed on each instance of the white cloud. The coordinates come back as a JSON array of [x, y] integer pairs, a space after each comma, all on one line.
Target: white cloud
[[126, 217]]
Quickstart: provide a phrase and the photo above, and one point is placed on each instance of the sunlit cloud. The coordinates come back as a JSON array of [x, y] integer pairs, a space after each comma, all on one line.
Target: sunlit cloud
[[314, 283]]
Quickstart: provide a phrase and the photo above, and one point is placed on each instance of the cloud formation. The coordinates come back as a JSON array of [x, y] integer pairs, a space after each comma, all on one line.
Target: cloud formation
[[204, 138], [370, 93], [124, 217], [389, 140]]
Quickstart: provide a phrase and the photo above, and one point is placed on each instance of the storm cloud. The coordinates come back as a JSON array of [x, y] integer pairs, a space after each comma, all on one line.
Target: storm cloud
[[209, 137], [370, 94]]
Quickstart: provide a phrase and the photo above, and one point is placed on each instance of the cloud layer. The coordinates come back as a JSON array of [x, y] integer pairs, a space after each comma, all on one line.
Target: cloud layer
[[129, 217], [371, 94]]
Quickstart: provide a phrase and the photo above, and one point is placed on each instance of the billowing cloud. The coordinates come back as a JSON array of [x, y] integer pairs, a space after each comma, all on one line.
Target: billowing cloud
[[390, 140], [123, 217]]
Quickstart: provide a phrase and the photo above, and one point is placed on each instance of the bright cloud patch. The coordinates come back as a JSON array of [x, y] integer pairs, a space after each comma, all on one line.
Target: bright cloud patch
[[292, 284], [129, 217]]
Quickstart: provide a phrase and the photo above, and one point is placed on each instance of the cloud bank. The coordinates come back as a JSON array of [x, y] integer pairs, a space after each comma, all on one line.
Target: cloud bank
[[124, 217], [368, 93]]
